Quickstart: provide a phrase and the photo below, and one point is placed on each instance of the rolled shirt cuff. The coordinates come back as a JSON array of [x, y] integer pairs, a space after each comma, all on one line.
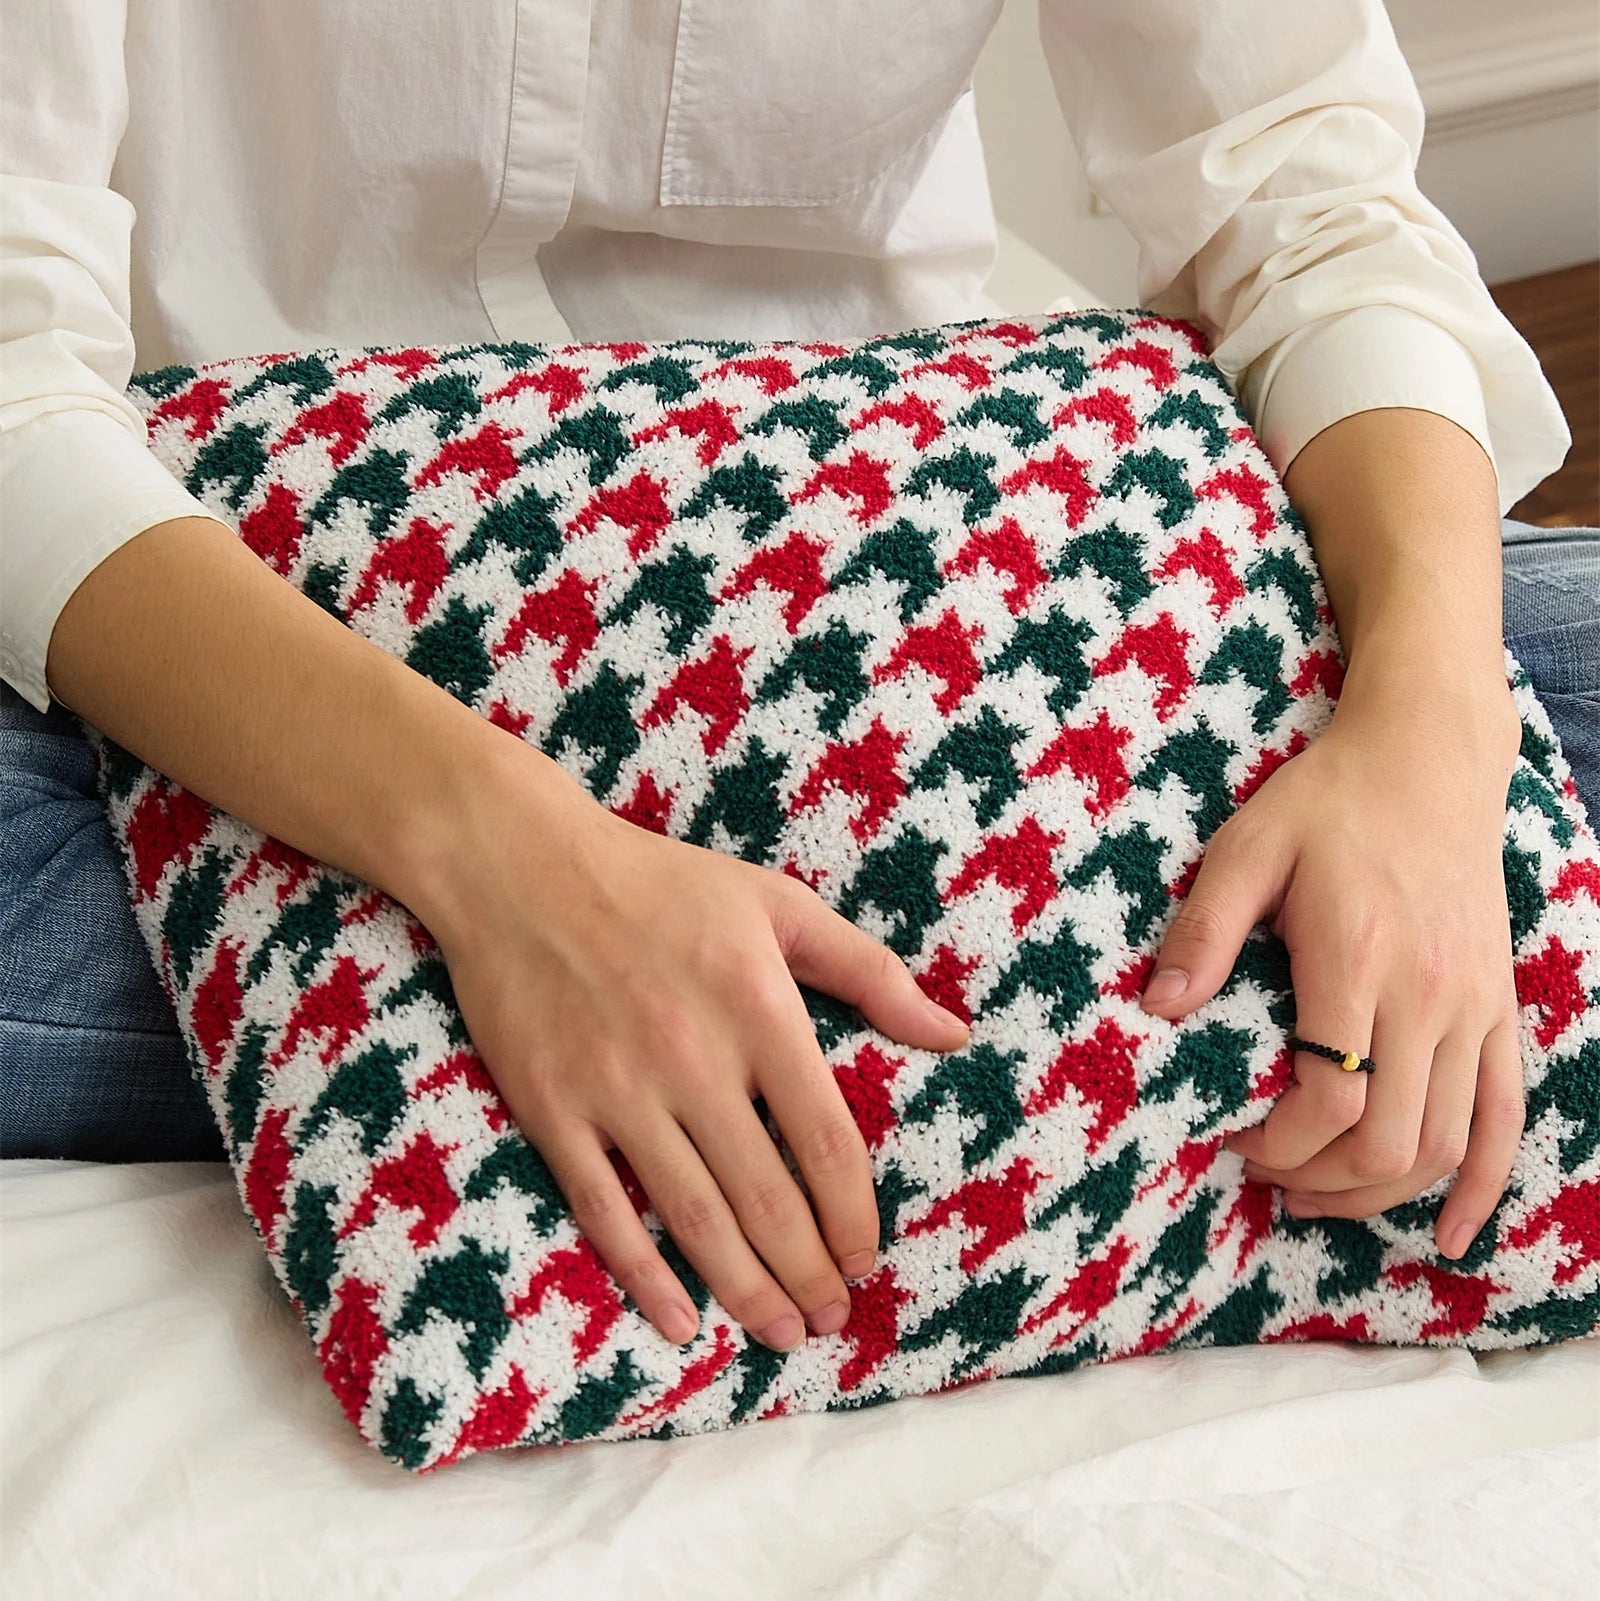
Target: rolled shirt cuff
[[1357, 360], [74, 485]]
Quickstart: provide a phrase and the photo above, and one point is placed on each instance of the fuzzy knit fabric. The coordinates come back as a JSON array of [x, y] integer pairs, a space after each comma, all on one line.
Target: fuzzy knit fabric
[[980, 630]]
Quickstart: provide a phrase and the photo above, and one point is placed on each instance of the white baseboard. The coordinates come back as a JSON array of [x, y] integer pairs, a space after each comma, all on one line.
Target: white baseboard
[[1511, 148], [1535, 72]]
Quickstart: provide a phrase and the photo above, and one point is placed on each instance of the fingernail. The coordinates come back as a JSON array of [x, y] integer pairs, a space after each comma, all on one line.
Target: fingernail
[[1166, 986], [944, 1012], [678, 1324], [859, 1265], [787, 1331], [831, 1318], [1457, 1238], [1296, 1207]]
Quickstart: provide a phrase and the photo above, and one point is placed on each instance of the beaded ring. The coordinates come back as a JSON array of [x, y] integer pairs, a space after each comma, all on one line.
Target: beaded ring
[[1348, 1060]]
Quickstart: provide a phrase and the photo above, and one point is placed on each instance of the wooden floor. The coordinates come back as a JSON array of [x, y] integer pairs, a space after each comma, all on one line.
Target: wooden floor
[[1558, 313]]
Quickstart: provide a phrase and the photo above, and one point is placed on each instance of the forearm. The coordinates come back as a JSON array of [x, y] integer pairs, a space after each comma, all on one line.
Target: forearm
[[196, 656], [1403, 514]]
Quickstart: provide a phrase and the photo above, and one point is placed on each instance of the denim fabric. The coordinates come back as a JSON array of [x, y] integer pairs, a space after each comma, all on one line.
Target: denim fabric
[[92, 1065], [91, 1062], [1552, 624]]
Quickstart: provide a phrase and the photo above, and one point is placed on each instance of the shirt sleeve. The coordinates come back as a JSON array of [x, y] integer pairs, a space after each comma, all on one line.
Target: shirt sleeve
[[77, 477], [1265, 160]]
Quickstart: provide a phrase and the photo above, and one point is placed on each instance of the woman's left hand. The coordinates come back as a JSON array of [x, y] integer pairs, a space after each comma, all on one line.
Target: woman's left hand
[[1375, 855]]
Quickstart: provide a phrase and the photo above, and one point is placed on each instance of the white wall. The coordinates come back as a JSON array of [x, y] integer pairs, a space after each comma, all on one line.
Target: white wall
[[1511, 152]]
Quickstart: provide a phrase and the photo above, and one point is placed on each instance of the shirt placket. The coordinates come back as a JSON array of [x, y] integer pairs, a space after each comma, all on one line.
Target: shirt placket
[[549, 83]]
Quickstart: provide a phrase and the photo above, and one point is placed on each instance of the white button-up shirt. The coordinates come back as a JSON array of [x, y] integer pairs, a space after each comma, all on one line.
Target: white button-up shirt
[[188, 182]]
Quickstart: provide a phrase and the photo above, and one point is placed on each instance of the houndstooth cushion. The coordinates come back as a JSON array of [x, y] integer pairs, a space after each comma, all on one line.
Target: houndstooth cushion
[[981, 630]]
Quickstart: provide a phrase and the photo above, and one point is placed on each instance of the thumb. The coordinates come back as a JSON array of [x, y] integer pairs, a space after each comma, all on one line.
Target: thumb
[[825, 950], [1238, 885]]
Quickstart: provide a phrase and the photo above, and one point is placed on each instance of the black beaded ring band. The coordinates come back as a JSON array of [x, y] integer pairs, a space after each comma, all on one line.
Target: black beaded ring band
[[1348, 1060]]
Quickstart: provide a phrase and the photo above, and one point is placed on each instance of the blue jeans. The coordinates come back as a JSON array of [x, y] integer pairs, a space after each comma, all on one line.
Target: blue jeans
[[92, 1065]]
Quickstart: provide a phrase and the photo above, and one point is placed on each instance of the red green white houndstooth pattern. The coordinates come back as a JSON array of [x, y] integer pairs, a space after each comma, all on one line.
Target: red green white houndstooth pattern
[[980, 630]]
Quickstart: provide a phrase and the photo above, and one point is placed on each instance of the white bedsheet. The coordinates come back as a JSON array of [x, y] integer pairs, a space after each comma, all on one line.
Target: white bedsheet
[[166, 1433]]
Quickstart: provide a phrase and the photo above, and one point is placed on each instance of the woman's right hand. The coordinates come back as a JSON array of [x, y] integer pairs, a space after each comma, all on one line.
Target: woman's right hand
[[626, 989], [623, 989]]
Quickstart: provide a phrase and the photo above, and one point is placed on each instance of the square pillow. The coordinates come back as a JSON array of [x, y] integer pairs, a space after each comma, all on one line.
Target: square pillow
[[981, 630]]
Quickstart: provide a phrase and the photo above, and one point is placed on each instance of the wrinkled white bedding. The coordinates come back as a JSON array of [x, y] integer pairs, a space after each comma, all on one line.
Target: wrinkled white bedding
[[166, 1432]]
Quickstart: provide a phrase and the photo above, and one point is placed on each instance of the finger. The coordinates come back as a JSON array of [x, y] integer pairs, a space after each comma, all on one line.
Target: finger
[[1499, 1114], [1441, 1140], [818, 1126], [1335, 1003], [771, 1208], [579, 1164], [827, 951], [1239, 884], [1318, 1107], [699, 1218], [1381, 1146]]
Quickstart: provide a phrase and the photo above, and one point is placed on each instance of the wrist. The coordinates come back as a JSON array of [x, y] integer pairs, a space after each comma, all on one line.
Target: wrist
[[1442, 699], [474, 788]]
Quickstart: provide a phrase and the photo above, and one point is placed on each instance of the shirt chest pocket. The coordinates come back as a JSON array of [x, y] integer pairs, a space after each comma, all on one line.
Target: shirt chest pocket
[[808, 102]]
